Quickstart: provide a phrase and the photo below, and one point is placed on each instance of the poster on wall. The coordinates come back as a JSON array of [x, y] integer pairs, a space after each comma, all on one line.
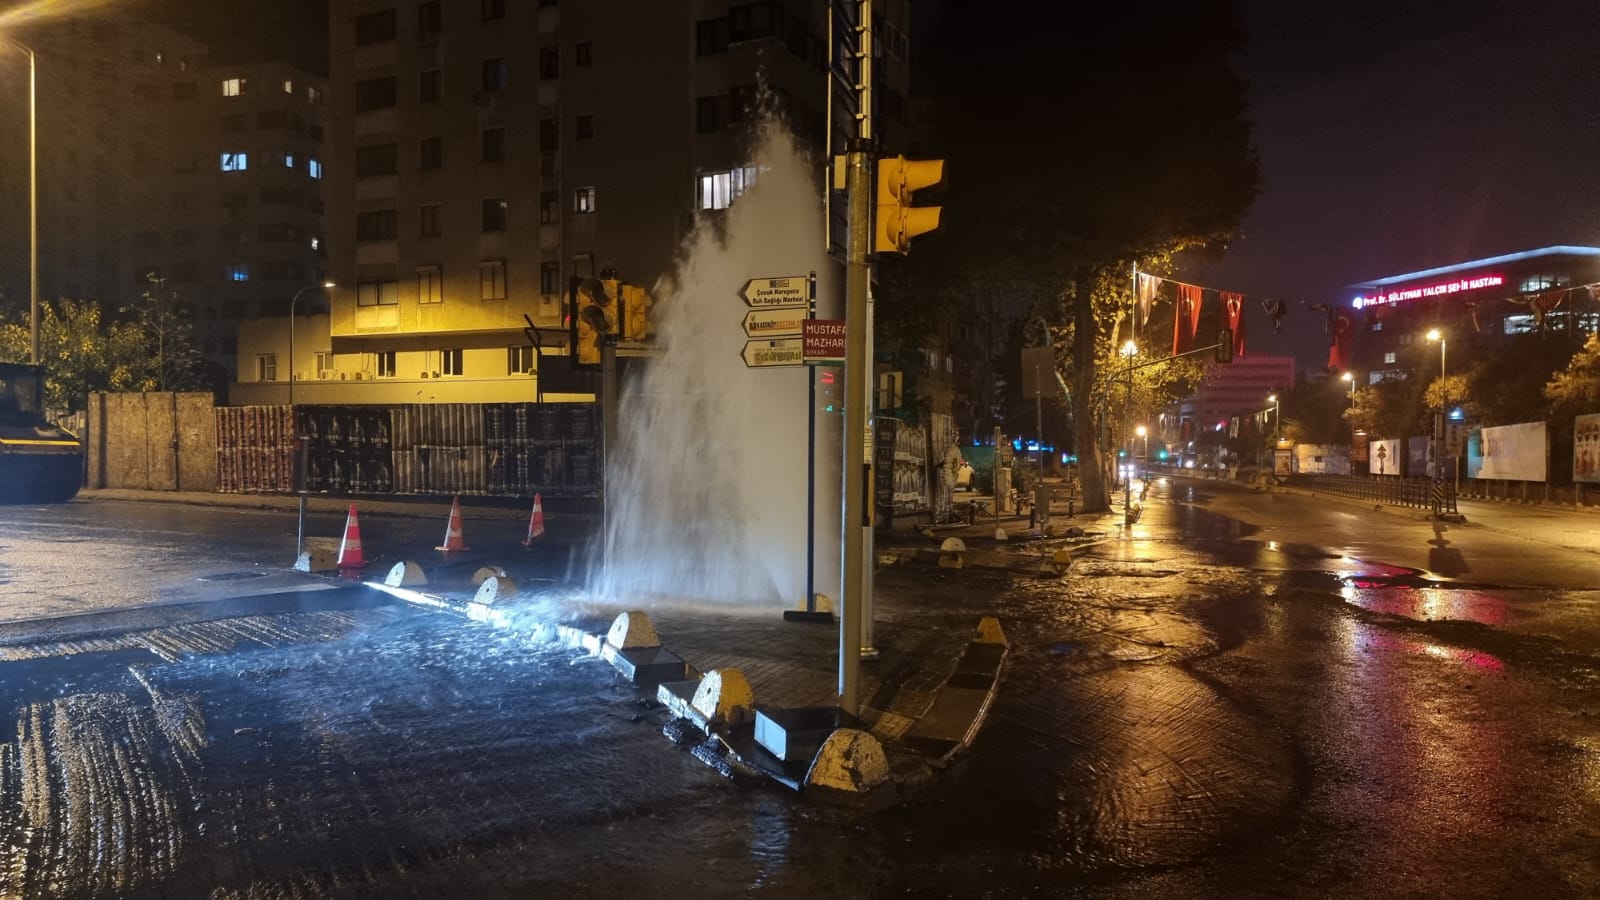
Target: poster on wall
[[1419, 453], [1509, 453], [1384, 457], [1586, 449], [1358, 447]]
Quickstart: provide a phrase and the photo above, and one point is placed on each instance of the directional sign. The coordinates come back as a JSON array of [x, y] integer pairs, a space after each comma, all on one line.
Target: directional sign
[[771, 293], [823, 341], [785, 322], [779, 352]]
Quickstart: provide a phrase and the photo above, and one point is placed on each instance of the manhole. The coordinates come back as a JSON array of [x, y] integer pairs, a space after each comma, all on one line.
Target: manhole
[[231, 576]]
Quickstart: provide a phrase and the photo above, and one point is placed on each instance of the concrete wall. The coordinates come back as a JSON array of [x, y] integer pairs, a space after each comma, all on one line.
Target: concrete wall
[[155, 442]]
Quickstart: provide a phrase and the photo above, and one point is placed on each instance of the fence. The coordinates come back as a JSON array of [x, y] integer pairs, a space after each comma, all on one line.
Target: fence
[[1417, 493]]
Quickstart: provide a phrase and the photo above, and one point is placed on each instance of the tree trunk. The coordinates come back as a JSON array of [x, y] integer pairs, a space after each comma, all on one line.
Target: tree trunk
[[1091, 463]]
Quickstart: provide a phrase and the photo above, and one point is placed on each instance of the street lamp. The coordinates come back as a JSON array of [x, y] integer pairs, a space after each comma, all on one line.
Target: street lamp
[[1129, 351], [1435, 334], [1144, 432], [33, 196], [293, 302]]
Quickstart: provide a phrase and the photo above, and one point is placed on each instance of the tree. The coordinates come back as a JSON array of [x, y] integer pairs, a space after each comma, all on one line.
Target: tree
[[1575, 390], [1074, 154], [83, 352]]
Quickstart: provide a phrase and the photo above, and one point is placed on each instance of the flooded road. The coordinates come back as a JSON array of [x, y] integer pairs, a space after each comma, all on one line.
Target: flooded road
[[1206, 707]]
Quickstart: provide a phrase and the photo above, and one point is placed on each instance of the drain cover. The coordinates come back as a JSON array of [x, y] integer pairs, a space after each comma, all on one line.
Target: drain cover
[[231, 576]]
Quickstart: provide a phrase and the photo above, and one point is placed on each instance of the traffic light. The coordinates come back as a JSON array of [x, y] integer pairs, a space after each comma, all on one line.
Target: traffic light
[[634, 305], [1225, 345], [897, 220], [593, 305]]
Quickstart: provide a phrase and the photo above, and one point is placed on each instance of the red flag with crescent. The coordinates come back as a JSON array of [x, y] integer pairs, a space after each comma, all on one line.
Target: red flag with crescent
[[1185, 318], [1233, 305]]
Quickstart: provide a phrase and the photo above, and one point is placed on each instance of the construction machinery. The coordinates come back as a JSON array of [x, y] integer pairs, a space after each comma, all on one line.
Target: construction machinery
[[39, 462]]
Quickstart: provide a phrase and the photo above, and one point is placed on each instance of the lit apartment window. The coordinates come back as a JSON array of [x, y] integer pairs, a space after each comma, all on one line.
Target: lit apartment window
[[494, 74], [718, 190], [494, 214], [267, 367], [237, 272], [314, 96], [324, 363], [430, 284], [450, 361], [313, 168], [549, 278], [385, 363], [583, 200], [519, 360], [377, 293], [1388, 359], [235, 162], [288, 160], [492, 279], [428, 223], [232, 87], [288, 86]]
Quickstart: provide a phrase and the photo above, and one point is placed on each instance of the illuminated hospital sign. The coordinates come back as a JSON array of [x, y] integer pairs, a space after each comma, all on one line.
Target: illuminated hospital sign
[[1441, 289]]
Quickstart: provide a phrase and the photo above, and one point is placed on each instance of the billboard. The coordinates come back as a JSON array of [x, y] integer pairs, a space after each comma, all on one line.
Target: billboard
[[1384, 457], [1509, 452], [1586, 449]]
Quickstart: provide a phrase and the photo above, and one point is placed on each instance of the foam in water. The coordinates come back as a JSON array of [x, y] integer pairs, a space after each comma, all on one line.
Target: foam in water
[[706, 492]]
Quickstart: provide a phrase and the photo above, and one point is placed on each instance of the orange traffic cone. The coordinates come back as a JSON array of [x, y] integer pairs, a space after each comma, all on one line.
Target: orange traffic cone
[[453, 540], [535, 523], [350, 555]]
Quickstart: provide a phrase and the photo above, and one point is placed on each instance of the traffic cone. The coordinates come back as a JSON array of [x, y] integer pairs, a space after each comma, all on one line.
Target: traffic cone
[[535, 523], [453, 540], [350, 555]]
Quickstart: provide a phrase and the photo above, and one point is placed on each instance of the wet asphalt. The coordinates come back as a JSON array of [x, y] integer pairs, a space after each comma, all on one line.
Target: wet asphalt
[[1240, 697]]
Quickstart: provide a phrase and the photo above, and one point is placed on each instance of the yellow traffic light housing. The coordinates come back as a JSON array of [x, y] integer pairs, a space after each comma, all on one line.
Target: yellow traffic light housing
[[897, 220], [593, 313], [634, 305]]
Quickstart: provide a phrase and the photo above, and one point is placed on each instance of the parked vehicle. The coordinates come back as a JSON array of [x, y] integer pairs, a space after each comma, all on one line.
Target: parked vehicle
[[39, 462]]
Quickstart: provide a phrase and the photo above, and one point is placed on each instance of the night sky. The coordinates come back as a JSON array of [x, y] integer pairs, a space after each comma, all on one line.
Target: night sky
[[1393, 136], [1400, 136]]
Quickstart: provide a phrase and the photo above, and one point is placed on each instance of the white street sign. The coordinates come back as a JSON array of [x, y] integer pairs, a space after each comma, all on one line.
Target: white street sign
[[771, 293], [782, 322], [779, 352]]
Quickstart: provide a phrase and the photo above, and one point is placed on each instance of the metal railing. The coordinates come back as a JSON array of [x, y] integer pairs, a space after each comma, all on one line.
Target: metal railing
[[1416, 493]]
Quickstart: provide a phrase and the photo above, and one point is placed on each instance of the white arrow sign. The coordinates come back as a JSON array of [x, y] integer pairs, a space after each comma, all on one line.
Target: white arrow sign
[[771, 293], [780, 352], [774, 322]]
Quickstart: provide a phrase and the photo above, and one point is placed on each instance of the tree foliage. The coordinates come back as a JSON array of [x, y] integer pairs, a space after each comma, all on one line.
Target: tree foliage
[[1576, 389], [83, 351], [1075, 153]]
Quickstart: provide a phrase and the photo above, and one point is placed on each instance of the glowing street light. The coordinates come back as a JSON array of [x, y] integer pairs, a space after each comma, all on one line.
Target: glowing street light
[[293, 302], [33, 195]]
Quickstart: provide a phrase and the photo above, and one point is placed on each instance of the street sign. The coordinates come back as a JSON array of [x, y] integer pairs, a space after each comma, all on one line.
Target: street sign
[[771, 353], [823, 341], [772, 293], [782, 322]]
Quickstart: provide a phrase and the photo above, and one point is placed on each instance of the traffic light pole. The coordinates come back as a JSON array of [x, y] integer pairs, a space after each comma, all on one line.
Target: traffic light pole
[[857, 370]]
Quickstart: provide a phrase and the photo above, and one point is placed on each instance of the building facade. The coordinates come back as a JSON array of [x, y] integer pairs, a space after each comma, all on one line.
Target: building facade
[[1547, 292], [484, 154], [164, 177]]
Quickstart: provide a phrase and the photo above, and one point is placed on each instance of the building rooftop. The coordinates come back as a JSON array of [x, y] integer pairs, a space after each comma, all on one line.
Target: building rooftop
[[1470, 265]]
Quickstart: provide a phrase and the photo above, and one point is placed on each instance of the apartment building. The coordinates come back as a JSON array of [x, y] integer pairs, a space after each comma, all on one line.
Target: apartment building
[[161, 174], [482, 154]]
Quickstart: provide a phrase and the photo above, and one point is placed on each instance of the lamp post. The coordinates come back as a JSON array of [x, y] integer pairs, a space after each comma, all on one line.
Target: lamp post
[[1144, 433], [1129, 351], [1273, 455], [1435, 334], [33, 197], [293, 302]]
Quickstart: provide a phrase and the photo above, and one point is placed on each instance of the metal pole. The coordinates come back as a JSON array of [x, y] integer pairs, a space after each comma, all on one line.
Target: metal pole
[[867, 650], [811, 461], [609, 436], [33, 203], [857, 367], [293, 302], [855, 424]]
